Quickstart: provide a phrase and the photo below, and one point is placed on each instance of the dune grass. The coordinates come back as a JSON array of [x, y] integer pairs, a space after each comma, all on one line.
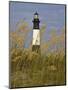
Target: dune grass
[[31, 69]]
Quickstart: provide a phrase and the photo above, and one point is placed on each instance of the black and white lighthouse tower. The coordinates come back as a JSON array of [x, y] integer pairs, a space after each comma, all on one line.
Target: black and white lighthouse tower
[[36, 34]]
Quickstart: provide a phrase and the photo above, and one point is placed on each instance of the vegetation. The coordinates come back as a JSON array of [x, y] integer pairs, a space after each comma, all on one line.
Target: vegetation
[[29, 68]]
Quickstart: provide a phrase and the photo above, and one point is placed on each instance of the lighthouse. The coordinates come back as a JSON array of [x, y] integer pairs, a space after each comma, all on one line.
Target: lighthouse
[[36, 34]]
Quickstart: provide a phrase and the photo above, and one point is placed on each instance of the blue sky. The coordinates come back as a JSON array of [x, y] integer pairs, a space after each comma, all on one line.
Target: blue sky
[[50, 14]]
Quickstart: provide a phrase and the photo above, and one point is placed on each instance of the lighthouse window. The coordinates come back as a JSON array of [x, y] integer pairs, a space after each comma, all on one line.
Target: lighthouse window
[[36, 16]]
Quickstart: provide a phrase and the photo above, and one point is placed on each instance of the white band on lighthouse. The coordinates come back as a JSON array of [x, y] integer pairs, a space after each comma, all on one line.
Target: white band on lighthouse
[[36, 37]]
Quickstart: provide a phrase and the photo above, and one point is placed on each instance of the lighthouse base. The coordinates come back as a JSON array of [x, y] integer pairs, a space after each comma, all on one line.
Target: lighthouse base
[[36, 48]]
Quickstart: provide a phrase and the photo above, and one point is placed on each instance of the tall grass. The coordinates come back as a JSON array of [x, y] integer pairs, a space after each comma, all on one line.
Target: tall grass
[[29, 68]]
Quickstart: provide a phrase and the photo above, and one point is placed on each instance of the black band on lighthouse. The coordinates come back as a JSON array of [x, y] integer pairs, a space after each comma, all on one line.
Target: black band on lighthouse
[[36, 24]]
